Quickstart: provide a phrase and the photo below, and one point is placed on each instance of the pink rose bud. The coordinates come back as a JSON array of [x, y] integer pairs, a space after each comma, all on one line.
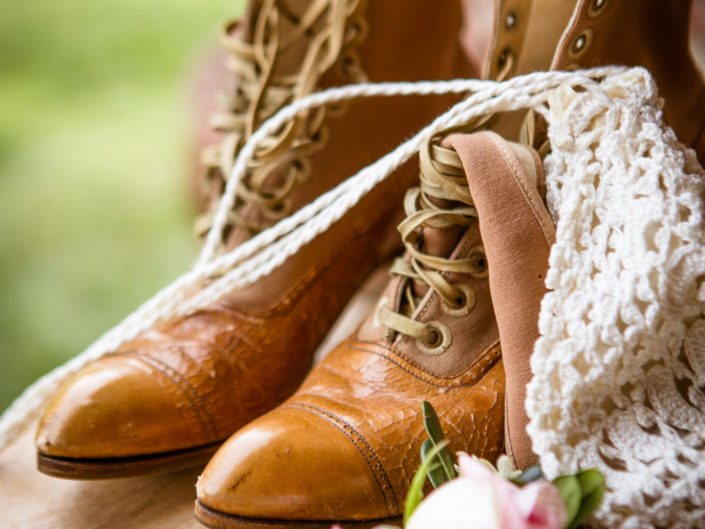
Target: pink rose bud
[[481, 499]]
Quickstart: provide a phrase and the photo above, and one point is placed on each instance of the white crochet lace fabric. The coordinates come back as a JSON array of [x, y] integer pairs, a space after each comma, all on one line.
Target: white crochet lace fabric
[[619, 370]]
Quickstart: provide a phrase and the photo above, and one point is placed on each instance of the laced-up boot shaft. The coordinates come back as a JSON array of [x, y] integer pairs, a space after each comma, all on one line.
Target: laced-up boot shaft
[[537, 35], [283, 51]]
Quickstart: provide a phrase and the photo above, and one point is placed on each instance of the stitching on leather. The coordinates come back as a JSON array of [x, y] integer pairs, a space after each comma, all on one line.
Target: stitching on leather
[[578, 21], [403, 358], [493, 354], [375, 466], [462, 250], [232, 332], [189, 392]]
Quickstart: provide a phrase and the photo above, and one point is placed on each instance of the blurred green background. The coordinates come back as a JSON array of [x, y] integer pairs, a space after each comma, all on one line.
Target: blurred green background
[[96, 157]]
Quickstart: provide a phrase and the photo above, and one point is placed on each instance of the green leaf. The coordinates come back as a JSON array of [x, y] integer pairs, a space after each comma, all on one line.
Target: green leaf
[[435, 432], [530, 474], [431, 423], [569, 488], [592, 487], [588, 506], [435, 474], [590, 480], [415, 494]]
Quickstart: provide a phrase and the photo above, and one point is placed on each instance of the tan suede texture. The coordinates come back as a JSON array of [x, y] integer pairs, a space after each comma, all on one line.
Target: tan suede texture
[[517, 234]]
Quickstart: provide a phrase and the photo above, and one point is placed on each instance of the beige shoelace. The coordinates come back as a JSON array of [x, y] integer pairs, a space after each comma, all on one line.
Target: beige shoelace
[[442, 177], [442, 181], [332, 29]]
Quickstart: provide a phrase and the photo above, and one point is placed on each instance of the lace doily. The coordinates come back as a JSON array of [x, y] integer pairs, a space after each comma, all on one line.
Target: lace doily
[[619, 371]]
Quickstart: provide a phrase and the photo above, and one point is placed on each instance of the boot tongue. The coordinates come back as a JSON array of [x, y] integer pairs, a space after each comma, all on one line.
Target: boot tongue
[[439, 242], [506, 180], [439, 237]]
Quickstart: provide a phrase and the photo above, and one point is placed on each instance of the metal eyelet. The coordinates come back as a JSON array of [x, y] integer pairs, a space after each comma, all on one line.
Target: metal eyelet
[[440, 342], [465, 303], [319, 138], [504, 56], [581, 43], [349, 65], [478, 254], [280, 210], [596, 7], [300, 168], [358, 28], [511, 20]]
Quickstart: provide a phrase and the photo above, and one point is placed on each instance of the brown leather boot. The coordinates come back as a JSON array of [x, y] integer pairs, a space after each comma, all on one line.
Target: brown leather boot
[[533, 35], [345, 446], [649, 33], [170, 397]]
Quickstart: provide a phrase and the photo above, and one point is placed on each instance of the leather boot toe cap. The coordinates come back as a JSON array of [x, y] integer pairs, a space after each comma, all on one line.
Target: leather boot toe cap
[[296, 463], [120, 406]]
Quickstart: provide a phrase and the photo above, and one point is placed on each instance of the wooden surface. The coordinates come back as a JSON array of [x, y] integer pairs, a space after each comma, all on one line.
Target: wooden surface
[[30, 500]]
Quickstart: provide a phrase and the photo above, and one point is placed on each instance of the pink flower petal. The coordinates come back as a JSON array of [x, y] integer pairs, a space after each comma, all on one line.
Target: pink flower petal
[[474, 469], [542, 506], [461, 503]]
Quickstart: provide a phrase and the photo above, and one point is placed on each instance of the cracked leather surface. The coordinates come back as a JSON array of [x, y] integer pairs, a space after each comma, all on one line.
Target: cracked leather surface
[[197, 379], [346, 445]]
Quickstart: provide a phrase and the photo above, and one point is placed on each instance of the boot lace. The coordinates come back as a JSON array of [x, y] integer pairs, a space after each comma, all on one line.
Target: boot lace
[[441, 201], [331, 31]]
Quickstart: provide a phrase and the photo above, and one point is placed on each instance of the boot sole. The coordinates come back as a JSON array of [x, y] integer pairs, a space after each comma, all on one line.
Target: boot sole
[[220, 520], [125, 467]]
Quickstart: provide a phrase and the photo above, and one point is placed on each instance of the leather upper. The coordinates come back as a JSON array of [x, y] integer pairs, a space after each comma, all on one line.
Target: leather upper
[[536, 35], [197, 379], [346, 445], [649, 33]]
